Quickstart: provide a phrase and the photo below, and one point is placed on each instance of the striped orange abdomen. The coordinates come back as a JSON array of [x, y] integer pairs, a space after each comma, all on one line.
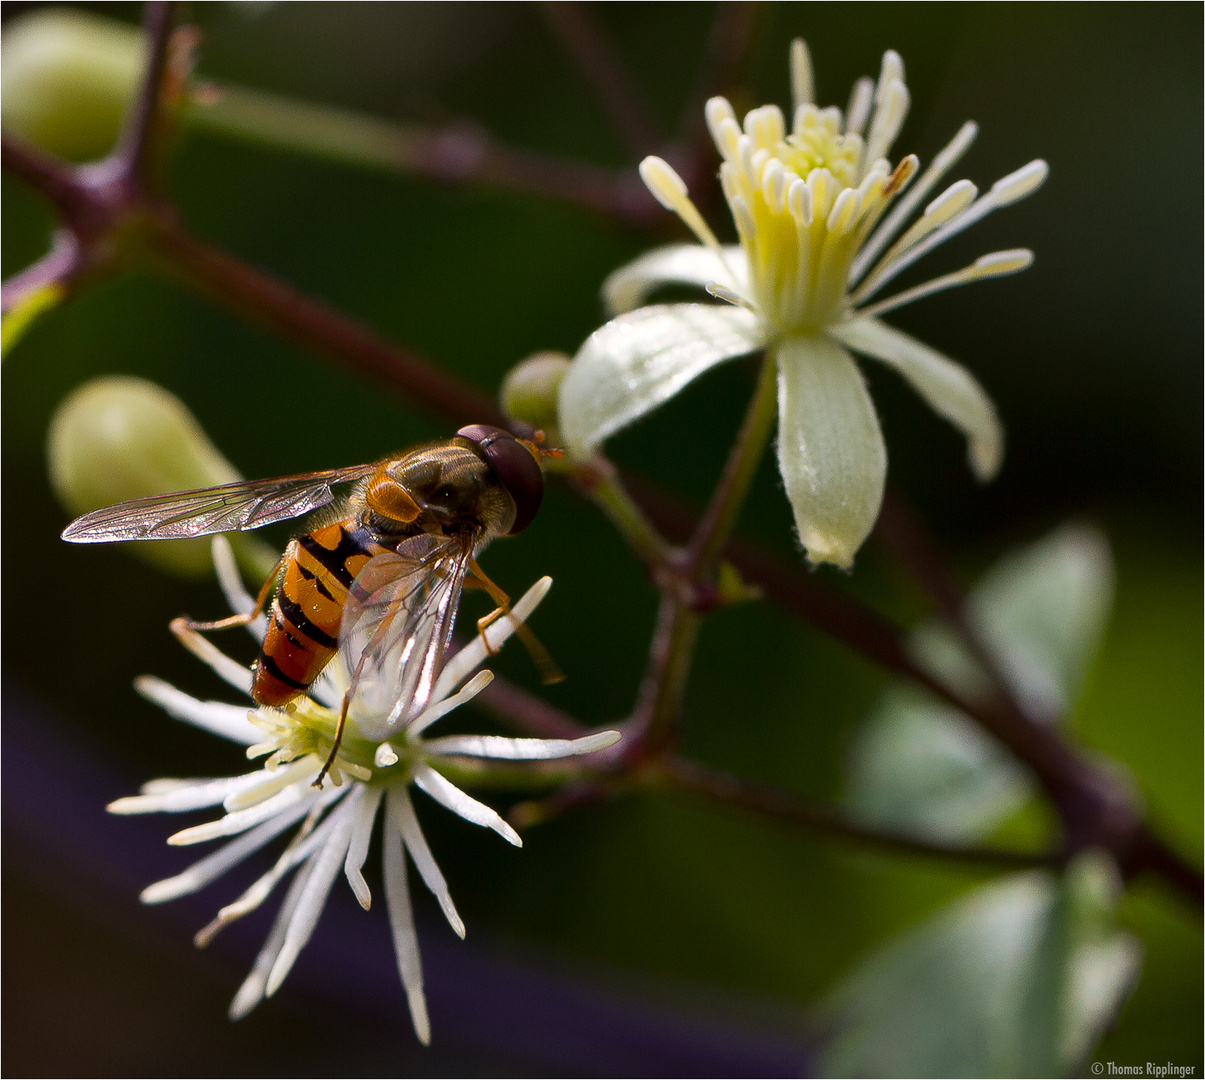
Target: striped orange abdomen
[[303, 627]]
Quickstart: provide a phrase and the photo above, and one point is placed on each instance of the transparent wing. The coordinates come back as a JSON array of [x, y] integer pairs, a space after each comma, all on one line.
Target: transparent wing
[[247, 504], [396, 626]]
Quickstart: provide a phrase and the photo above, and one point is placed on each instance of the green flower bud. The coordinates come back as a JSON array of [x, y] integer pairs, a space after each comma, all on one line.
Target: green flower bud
[[119, 438], [529, 391], [66, 78]]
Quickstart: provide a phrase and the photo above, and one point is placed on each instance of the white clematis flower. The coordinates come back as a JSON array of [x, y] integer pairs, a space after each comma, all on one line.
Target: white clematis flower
[[817, 246], [335, 822]]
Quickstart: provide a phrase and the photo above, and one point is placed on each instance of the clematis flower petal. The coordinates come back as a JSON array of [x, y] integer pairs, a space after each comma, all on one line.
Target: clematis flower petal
[[678, 264], [401, 924], [830, 448], [216, 717], [507, 749], [443, 791], [950, 390], [640, 360]]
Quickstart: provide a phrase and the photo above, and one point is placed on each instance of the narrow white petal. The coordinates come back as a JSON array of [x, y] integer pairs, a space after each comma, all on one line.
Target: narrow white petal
[[367, 799], [271, 781], [403, 818], [441, 708], [228, 856], [948, 387], [181, 797], [231, 671], [443, 791], [218, 717], [240, 601], [640, 360], [251, 993], [304, 843], [474, 653], [242, 820], [500, 747], [326, 862], [401, 924], [678, 264], [830, 448]]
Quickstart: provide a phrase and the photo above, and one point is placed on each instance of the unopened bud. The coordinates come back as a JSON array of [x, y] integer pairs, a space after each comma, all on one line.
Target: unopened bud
[[66, 77], [119, 438], [529, 391]]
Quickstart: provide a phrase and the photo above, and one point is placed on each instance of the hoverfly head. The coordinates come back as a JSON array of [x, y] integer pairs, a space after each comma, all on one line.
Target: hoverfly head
[[516, 464]]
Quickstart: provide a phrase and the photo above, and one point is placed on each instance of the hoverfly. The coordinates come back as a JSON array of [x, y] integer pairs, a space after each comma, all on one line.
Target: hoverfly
[[379, 578]]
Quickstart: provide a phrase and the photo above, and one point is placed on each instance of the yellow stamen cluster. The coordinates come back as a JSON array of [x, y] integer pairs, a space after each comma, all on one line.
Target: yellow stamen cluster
[[804, 202]]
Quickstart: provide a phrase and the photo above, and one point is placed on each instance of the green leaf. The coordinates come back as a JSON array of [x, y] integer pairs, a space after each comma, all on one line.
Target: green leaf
[[923, 767], [1017, 978]]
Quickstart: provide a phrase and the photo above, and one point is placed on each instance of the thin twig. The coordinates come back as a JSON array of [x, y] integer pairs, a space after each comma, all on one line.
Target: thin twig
[[316, 327], [58, 265], [461, 152], [715, 527], [784, 806], [587, 43], [45, 174], [727, 51], [664, 685], [136, 145]]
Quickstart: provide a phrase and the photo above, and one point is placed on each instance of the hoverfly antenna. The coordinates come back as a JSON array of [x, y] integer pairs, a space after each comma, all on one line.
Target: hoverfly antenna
[[537, 448]]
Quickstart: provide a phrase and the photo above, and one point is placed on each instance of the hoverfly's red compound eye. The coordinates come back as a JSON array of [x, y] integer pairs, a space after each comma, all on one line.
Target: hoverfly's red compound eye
[[517, 468]]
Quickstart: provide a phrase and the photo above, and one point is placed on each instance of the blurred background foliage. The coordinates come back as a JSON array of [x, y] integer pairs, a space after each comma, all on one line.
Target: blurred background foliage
[[672, 923]]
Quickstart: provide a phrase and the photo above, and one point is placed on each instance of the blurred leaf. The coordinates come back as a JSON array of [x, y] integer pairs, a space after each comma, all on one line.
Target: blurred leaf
[[923, 766], [1018, 978]]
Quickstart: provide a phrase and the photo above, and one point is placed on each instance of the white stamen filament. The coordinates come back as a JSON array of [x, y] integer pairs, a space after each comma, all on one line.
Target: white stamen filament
[[997, 264], [888, 119], [799, 202], [942, 164], [743, 216], [668, 188], [952, 202], [721, 292], [803, 89], [858, 112], [718, 112], [1009, 189]]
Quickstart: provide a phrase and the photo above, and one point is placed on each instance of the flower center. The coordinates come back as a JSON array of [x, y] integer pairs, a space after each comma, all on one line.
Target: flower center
[[819, 145]]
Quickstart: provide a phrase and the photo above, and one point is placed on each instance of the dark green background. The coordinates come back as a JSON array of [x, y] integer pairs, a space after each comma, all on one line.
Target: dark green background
[[1093, 357]]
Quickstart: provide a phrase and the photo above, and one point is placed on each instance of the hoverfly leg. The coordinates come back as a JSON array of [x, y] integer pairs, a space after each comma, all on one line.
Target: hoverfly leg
[[482, 623], [261, 601], [330, 758], [540, 656]]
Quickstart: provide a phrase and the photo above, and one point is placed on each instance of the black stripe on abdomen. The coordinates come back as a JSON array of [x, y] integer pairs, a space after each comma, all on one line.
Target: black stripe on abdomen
[[335, 559], [273, 669], [297, 616]]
